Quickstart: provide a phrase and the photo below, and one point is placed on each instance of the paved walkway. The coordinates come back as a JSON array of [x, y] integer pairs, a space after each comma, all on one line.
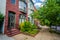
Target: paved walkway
[[44, 34], [4, 37]]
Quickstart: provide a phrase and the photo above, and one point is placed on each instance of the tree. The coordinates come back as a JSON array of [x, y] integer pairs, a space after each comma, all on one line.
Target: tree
[[58, 2], [49, 14]]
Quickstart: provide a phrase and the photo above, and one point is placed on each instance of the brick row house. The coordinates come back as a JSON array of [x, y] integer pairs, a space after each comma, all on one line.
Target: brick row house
[[15, 12]]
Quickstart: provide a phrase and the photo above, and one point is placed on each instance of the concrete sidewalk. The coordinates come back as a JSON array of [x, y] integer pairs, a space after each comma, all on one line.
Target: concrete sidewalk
[[4, 37], [44, 34]]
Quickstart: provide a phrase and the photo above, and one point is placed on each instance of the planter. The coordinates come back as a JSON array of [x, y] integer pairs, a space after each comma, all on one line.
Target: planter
[[26, 33]]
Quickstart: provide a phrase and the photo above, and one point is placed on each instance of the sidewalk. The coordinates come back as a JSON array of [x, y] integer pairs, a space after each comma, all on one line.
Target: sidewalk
[[4, 37], [44, 34]]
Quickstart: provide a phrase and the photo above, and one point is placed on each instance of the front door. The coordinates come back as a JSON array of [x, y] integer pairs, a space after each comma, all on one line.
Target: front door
[[11, 20]]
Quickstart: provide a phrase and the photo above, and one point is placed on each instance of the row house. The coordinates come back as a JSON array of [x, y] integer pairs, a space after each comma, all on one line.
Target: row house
[[15, 12], [30, 11]]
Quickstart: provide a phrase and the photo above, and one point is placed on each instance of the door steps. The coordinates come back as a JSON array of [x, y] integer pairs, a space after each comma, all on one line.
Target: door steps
[[12, 32]]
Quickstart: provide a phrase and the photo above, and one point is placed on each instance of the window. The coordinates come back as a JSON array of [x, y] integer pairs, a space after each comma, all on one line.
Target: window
[[13, 1], [22, 5], [22, 18], [28, 19]]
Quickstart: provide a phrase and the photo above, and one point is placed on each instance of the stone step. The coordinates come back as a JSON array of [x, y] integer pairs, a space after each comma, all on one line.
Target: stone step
[[12, 32]]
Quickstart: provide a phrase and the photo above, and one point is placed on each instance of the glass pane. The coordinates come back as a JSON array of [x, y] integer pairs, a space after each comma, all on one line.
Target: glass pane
[[22, 6], [19, 19], [13, 1], [11, 20], [22, 18]]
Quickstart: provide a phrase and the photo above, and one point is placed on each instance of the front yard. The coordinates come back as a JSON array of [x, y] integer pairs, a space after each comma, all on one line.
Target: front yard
[[28, 28]]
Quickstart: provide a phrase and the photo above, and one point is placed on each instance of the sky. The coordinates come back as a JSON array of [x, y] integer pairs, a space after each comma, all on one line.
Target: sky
[[38, 3]]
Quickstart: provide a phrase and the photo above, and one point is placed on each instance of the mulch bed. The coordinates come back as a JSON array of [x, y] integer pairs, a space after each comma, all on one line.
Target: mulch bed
[[30, 34]]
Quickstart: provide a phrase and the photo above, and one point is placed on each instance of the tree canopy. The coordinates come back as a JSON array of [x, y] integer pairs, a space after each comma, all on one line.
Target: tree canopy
[[49, 14]]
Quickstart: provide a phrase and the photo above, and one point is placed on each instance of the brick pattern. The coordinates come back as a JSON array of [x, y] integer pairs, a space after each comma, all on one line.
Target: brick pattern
[[12, 32], [14, 8]]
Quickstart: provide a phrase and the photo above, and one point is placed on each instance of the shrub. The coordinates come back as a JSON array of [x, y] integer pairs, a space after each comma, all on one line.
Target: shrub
[[28, 28], [1, 18]]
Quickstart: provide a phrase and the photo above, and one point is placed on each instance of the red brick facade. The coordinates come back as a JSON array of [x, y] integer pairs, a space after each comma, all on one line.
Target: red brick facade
[[14, 8]]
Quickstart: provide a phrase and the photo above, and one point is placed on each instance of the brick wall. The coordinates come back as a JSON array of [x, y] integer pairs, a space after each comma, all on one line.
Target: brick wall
[[14, 8]]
